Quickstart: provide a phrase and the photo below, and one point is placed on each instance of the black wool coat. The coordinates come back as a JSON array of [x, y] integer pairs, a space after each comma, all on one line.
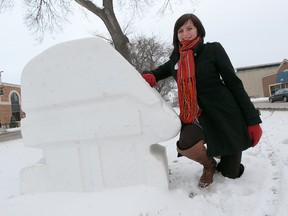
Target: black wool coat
[[226, 107]]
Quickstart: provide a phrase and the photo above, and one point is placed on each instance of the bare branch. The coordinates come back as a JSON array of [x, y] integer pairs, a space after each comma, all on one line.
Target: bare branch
[[108, 4], [128, 28], [46, 16], [136, 7], [92, 7], [168, 5], [107, 39], [6, 5], [165, 6]]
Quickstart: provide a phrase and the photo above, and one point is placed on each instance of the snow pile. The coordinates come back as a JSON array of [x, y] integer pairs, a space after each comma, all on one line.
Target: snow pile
[[96, 121]]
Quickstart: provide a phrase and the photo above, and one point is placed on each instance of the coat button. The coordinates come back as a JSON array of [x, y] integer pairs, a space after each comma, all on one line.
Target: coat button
[[176, 66]]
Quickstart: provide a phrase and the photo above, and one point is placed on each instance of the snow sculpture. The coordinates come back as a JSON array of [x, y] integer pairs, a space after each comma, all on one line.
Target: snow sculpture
[[96, 120]]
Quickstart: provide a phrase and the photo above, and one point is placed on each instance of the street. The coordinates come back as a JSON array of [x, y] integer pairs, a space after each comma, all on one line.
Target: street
[[10, 136], [273, 106]]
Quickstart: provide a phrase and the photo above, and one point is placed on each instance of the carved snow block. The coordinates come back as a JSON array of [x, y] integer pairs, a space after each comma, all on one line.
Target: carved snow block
[[96, 119]]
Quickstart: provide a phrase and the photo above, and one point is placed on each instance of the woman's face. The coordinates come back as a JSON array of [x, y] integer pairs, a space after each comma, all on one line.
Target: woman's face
[[187, 32]]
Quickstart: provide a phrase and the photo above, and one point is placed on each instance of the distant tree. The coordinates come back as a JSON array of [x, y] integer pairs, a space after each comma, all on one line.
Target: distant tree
[[147, 53], [49, 15], [167, 88]]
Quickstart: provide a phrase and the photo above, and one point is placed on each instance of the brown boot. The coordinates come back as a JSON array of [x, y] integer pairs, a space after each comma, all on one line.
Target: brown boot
[[198, 153], [208, 172]]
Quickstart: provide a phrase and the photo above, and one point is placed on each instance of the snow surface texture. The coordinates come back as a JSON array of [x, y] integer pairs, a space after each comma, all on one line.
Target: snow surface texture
[[262, 190], [95, 118]]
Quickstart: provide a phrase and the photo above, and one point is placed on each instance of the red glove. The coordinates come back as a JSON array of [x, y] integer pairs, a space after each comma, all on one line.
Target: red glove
[[150, 78], [255, 133]]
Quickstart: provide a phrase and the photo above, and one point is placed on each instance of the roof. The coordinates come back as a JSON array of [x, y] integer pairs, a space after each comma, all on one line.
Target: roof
[[10, 84], [276, 64]]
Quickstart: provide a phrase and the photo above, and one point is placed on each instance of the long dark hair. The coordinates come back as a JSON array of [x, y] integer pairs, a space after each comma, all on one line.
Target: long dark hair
[[180, 22]]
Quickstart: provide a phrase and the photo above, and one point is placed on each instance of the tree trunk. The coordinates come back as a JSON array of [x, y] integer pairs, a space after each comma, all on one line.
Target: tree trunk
[[120, 40]]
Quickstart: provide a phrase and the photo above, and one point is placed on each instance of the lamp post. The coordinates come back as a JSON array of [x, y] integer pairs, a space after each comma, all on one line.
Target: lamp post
[[0, 77]]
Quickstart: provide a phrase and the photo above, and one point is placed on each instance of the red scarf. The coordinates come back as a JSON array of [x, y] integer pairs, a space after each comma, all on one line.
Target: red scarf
[[186, 80]]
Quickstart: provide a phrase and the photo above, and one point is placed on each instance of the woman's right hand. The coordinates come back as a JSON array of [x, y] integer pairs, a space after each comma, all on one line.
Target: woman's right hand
[[150, 78]]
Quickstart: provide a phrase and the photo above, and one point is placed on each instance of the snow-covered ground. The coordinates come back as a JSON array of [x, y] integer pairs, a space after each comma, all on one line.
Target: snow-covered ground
[[260, 99], [261, 191], [9, 130]]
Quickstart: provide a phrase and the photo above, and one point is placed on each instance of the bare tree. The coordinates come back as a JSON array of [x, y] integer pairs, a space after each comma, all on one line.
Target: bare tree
[[148, 53], [44, 16], [167, 88]]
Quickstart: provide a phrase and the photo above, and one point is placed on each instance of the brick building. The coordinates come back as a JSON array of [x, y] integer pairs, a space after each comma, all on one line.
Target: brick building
[[264, 80], [10, 105], [277, 80]]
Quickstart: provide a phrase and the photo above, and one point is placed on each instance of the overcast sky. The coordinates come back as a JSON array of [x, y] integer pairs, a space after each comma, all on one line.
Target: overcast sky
[[252, 31]]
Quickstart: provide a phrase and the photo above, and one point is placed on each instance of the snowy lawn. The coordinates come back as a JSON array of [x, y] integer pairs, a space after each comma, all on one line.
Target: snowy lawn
[[261, 191]]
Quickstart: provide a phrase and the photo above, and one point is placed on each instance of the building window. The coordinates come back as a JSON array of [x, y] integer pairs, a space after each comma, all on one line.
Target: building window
[[274, 88], [15, 106]]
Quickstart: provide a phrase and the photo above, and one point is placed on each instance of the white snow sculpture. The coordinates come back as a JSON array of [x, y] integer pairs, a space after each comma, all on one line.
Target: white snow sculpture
[[95, 118]]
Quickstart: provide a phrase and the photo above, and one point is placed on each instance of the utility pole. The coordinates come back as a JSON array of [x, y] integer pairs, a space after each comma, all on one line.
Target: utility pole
[[1, 84]]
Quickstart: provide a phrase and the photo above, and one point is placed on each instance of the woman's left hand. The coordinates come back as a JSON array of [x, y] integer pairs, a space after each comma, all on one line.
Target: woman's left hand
[[255, 133]]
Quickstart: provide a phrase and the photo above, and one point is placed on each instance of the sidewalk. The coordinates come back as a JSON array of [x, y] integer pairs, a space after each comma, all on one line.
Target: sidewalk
[[264, 104], [9, 130], [10, 134]]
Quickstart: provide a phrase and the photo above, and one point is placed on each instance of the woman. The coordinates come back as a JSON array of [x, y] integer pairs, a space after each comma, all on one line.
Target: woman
[[214, 107]]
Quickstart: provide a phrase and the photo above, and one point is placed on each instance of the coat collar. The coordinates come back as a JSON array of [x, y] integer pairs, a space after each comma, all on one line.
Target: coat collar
[[199, 48]]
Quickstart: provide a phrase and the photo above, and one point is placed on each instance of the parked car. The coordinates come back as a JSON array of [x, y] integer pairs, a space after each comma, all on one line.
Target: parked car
[[280, 95]]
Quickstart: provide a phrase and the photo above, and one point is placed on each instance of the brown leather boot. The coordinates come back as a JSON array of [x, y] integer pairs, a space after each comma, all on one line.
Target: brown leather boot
[[198, 153]]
